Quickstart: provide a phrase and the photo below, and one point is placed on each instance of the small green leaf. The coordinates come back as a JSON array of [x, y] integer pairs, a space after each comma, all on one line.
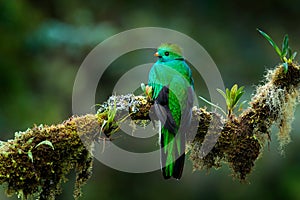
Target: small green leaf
[[237, 97], [233, 95], [143, 87], [147, 90], [274, 45], [45, 142], [103, 125], [240, 90], [285, 67], [294, 55], [233, 90], [210, 103], [227, 92], [111, 113], [227, 97], [222, 93], [30, 156], [285, 46]]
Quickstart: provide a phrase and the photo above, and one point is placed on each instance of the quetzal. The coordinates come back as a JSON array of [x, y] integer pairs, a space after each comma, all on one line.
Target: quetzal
[[172, 91]]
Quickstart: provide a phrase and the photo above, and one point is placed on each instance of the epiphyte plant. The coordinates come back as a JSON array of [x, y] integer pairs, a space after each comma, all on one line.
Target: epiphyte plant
[[285, 53], [148, 90], [232, 97]]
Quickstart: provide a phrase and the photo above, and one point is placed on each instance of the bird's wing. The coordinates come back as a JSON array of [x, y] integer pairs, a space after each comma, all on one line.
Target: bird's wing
[[178, 97], [163, 112], [186, 116]]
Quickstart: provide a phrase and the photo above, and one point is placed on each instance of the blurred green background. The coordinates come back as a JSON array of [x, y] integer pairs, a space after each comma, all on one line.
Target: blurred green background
[[43, 43]]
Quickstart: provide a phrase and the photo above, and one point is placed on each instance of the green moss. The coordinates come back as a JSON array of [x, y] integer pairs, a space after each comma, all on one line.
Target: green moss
[[41, 174], [242, 138]]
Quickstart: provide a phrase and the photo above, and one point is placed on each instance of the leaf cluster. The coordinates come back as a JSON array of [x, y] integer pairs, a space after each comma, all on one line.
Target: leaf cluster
[[232, 97], [285, 53]]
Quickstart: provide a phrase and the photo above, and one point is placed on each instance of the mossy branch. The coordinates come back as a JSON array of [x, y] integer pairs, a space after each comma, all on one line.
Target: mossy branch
[[31, 167]]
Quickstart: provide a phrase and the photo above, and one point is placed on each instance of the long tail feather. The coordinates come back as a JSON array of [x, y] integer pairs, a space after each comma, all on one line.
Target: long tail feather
[[180, 155], [178, 168], [164, 155], [170, 166]]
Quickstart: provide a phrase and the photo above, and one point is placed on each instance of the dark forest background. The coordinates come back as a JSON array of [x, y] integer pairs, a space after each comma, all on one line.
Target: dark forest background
[[43, 43]]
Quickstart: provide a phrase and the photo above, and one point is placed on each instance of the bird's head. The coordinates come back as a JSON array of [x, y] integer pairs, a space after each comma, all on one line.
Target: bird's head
[[168, 52]]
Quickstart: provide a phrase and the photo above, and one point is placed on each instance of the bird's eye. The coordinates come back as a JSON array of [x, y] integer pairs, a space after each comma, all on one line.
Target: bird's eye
[[167, 53]]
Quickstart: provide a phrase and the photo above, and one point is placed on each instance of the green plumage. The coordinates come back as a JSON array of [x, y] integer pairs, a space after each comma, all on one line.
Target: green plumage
[[172, 83]]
